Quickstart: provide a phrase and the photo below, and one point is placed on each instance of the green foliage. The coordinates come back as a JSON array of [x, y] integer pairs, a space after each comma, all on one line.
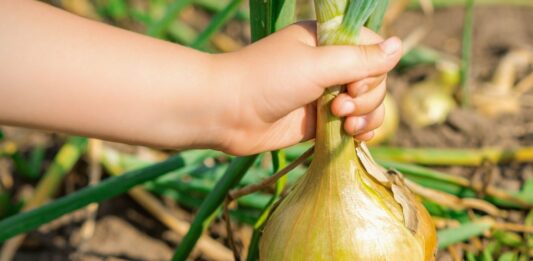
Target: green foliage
[[234, 173], [462, 233], [29, 168], [216, 23], [376, 19], [106, 189], [159, 28]]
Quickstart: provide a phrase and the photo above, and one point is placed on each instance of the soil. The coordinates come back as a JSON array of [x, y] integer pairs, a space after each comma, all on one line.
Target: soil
[[125, 231]]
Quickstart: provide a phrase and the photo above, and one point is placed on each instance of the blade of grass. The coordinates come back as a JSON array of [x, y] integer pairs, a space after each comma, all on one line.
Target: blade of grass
[[462, 233], [267, 16], [279, 162], [453, 157], [218, 5], [159, 28], [29, 168], [508, 238], [4, 202], [283, 13], [63, 162], [470, 256], [236, 170], [419, 56], [216, 24], [466, 61], [181, 180], [508, 256], [117, 9], [488, 251], [437, 180], [211, 248], [260, 20], [106, 189]]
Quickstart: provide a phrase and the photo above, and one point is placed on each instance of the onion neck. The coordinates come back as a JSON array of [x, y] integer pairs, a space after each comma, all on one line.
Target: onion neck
[[332, 142]]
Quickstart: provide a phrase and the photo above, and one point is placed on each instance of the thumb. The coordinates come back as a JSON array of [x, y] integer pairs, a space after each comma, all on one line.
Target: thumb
[[337, 65]]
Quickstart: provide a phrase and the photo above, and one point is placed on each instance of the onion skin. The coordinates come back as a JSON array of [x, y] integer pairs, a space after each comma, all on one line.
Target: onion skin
[[340, 211], [337, 211]]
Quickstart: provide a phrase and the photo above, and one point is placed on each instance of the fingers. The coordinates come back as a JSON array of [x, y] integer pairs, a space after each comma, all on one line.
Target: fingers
[[345, 105], [358, 126], [337, 65], [365, 136], [363, 86]]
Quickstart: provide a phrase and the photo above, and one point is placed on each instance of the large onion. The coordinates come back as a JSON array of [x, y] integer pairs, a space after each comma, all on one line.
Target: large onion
[[346, 207]]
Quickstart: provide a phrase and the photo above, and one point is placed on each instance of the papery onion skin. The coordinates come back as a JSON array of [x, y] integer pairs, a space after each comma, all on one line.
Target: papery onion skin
[[336, 213], [339, 211]]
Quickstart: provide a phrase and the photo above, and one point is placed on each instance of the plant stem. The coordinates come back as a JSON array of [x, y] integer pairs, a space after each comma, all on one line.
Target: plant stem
[[106, 189], [334, 148], [260, 20], [272, 179], [63, 162], [278, 162], [453, 157], [236, 170], [466, 61]]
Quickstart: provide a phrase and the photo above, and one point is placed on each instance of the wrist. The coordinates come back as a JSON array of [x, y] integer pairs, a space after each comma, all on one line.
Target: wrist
[[188, 112], [205, 114], [227, 89]]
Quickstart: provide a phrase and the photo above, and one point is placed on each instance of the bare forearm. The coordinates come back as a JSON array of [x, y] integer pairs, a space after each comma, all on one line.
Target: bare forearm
[[64, 73]]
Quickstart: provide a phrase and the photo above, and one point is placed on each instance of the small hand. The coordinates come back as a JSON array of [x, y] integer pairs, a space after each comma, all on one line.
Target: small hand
[[273, 85]]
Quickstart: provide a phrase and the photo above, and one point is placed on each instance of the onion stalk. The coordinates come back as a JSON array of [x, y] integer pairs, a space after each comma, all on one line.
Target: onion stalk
[[346, 207]]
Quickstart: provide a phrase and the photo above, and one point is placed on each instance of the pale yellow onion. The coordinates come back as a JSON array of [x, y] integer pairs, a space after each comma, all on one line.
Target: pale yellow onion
[[429, 102], [337, 211], [346, 207], [426, 103], [390, 123]]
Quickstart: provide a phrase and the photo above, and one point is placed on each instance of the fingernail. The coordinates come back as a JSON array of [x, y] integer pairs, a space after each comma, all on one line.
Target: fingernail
[[347, 108], [391, 45], [360, 124]]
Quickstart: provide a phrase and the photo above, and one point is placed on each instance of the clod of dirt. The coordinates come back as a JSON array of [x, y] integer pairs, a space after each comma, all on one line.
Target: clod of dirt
[[116, 238]]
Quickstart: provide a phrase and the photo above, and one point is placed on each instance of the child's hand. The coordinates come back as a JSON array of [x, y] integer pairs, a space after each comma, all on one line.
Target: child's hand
[[99, 81], [273, 84]]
